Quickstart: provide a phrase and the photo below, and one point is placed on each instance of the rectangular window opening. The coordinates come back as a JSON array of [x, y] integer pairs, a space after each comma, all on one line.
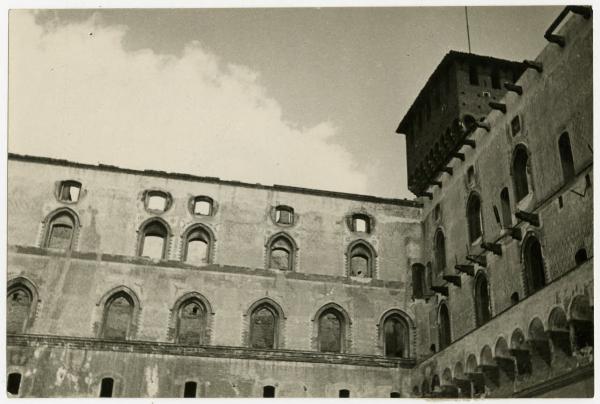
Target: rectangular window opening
[[13, 383], [189, 390], [106, 387]]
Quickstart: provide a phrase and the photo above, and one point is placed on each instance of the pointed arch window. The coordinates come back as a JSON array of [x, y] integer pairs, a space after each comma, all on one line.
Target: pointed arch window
[[191, 322], [440, 252], [361, 257], [264, 324], [566, 157], [482, 301], [535, 277], [153, 242], [331, 331], [118, 316], [18, 309], [60, 231], [444, 331], [282, 251], [520, 173], [474, 217], [396, 337], [197, 245]]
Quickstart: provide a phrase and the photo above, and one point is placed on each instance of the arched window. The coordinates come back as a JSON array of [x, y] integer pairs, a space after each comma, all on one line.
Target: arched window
[[535, 277], [444, 327], [263, 327], [360, 260], [418, 281], [482, 301], [189, 389], [118, 315], [18, 309], [191, 322], [474, 217], [566, 157], [197, 245], [60, 231], [331, 331], [519, 171], [106, 387], [153, 242], [396, 337], [505, 204], [440, 252], [282, 251], [268, 391]]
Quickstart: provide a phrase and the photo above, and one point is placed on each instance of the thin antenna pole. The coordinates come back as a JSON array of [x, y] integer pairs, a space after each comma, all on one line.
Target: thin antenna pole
[[468, 34]]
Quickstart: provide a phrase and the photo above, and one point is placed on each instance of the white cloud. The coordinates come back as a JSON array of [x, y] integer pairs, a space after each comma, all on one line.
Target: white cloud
[[75, 93]]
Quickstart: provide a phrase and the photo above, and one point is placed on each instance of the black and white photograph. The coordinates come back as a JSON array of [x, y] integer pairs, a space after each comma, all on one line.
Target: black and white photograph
[[320, 200]]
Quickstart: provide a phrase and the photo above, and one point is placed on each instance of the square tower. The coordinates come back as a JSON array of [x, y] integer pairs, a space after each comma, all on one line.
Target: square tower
[[454, 99]]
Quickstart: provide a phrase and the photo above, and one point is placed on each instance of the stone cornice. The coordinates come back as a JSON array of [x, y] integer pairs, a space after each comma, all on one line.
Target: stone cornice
[[226, 352]]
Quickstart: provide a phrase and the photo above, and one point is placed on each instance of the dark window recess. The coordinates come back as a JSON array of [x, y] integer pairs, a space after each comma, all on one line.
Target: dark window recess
[[496, 78], [514, 298], [471, 176], [515, 125], [269, 391], [262, 332], [482, 301], [581, 256], [534, 266], [560, 202], [505, 205], [520, 177], [395, 394], [473, 75], [118, 317], [440, 252], [106, 387], [418, 281], [566, 157], [18, 306], [444, 327], [192, 319], [69, 191], [344, 393], [396, 337], [330, 332], [189, 390], [474, 218], [13, 383]]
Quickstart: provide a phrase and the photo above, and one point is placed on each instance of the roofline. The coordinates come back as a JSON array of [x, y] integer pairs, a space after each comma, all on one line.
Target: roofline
[[449, 57], [215, 180]]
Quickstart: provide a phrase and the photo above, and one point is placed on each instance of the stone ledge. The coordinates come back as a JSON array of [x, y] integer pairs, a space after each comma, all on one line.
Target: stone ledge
[[162, 348], [126, 259]]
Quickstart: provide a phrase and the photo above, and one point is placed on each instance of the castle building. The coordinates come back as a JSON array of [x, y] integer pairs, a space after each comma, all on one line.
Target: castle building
[[129, 283]]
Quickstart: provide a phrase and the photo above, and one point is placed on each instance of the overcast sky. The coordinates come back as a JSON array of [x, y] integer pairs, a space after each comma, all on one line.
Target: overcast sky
[[303, 97]]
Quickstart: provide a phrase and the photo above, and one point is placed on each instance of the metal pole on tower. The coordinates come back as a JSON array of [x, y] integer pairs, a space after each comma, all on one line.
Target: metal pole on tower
[[468, 34]]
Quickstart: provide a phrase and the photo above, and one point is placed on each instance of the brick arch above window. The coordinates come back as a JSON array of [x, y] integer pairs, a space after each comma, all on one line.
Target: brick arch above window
[[61, 229], [408, 346], [155, 227], [198, 231], [281, 252], [254, 330], [361, 257], [104, 303], [345, 323], [23, 284], [174, 317]]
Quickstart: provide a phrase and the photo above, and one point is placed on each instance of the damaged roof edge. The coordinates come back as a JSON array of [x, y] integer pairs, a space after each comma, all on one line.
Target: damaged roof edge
[[215, 180], [446, 60]]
